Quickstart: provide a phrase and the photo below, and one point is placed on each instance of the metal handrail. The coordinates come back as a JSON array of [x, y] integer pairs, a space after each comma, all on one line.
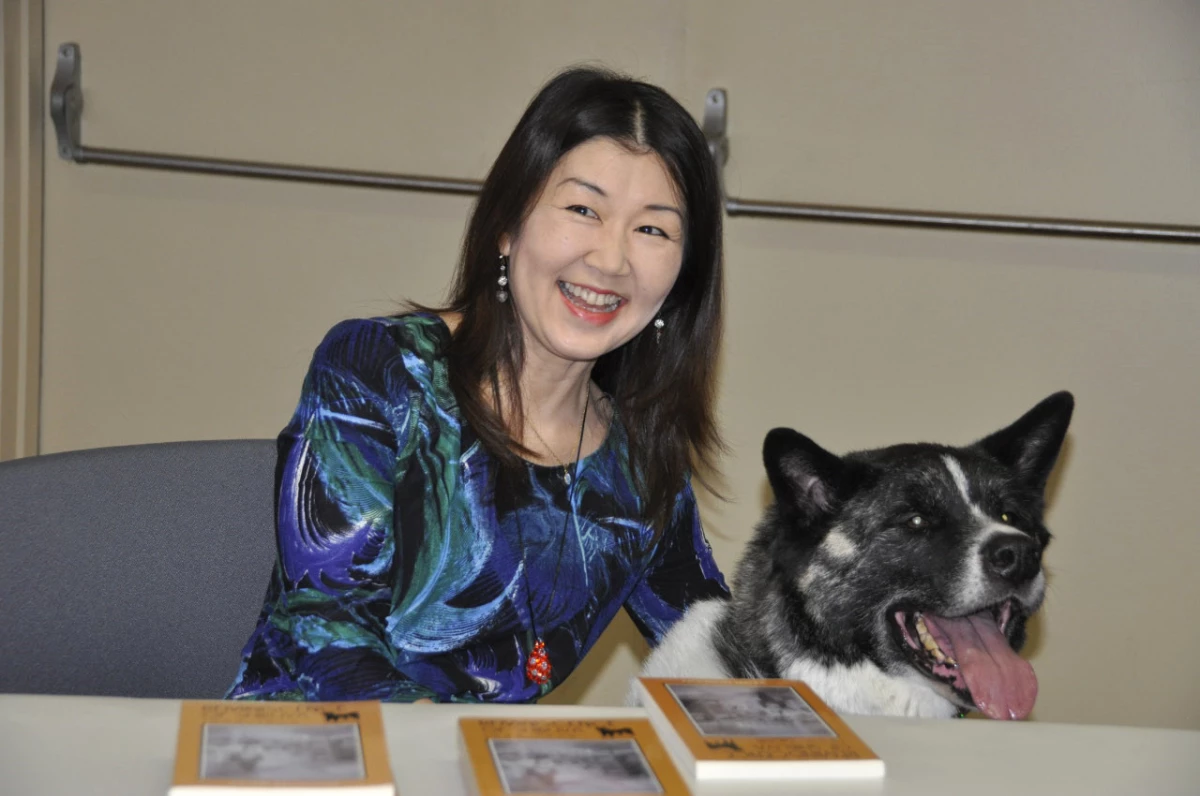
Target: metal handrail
[[1160, 233], [273, 171], [66, 108]]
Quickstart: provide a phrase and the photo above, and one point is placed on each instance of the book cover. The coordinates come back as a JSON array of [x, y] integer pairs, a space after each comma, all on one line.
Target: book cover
[[579, 756], [225, 748], [753, 729]]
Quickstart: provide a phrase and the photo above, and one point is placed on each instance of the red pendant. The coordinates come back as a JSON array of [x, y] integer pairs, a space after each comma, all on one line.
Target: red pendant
[[537, 666]]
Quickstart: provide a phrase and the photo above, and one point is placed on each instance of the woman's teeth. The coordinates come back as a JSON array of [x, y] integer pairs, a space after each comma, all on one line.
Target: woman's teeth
[[590, 299]]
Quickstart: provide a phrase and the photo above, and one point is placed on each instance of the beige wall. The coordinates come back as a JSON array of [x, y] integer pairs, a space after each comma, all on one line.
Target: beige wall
[[186, 307]]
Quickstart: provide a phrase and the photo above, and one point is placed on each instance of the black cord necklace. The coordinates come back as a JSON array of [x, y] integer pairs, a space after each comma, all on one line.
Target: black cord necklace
[[537, 665]]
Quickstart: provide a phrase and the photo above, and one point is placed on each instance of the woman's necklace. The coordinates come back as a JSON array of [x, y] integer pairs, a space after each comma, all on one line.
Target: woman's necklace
[[537, 665], [566, 476]]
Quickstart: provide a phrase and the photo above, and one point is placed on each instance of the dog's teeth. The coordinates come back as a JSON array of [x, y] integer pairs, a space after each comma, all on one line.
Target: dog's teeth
[[924, 635], [930, 645]]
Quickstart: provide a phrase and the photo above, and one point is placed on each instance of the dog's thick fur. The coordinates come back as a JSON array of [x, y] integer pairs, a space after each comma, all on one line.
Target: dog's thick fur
[[864, 559]]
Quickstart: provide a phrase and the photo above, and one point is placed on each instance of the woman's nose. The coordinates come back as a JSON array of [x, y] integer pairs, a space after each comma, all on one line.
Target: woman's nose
[[609, 255]]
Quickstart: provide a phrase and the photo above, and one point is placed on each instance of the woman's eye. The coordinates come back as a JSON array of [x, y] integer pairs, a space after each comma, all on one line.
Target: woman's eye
[[649, 230], [583, 210]]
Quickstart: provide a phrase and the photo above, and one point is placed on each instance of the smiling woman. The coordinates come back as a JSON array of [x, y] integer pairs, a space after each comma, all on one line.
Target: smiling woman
[[467, 495]]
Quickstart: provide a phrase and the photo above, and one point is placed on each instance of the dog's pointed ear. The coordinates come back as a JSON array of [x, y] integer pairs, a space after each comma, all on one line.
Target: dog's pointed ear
[[1031, 445], [804, 476]]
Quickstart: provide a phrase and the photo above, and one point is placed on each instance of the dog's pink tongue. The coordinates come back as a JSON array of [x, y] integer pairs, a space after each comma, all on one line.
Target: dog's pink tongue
[[1002, 684]]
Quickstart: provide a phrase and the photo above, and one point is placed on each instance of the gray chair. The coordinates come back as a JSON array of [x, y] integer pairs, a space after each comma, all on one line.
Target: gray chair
[[136, 570]]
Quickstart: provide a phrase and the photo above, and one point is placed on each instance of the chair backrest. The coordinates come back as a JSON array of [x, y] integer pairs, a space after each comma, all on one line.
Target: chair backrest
[[135, 570]]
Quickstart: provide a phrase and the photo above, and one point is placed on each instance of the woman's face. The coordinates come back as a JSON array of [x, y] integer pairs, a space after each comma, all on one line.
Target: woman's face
[[597, 255]]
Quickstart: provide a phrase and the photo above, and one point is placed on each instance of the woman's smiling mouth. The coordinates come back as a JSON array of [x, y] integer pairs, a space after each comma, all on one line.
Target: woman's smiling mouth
[[591, 305]]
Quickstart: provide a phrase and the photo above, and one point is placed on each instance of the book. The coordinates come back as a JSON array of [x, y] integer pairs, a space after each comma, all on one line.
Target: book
[[539, 756], [753, 730], [228, 748]]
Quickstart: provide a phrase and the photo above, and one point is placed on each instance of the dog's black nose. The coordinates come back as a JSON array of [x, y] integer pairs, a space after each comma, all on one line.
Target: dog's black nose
[[1013, 559]]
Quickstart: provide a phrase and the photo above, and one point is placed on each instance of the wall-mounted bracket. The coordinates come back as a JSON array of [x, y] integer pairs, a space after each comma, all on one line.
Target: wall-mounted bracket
[[66, 101], [714, 131], [714, 126]]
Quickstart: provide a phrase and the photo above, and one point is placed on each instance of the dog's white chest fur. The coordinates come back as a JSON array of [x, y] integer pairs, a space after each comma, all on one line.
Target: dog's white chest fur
[[863, 688], [688, 651]]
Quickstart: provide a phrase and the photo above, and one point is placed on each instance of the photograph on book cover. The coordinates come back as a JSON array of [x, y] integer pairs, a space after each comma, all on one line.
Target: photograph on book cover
[[292, 752], [749, 711], [535, 765]]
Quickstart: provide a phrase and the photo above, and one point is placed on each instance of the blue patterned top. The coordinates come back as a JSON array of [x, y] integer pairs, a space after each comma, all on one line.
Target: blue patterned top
[[400, 574]]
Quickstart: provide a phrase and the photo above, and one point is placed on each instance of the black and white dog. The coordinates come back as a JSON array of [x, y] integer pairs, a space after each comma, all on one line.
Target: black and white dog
[[893, 581]]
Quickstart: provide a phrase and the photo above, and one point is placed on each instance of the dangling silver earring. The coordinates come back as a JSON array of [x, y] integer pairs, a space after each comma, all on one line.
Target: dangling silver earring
[[502, 293], [659, 323]]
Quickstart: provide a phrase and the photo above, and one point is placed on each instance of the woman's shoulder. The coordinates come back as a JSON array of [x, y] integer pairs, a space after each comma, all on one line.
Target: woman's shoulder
[[361, 341], [414, 326], [389, 359]]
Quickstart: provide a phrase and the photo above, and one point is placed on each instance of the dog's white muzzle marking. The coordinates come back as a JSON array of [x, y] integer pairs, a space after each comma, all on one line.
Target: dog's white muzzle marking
[[975, 587]]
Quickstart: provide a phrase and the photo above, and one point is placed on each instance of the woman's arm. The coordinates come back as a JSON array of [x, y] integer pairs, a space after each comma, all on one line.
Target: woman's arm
[[682, 572], [321, 633]]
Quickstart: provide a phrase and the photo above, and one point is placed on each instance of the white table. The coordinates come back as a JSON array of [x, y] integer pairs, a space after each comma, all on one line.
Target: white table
[[55, 746]]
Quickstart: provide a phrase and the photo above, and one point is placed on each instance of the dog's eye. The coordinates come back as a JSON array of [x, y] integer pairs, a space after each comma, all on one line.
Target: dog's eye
[[1004, 518], [917, 522]]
